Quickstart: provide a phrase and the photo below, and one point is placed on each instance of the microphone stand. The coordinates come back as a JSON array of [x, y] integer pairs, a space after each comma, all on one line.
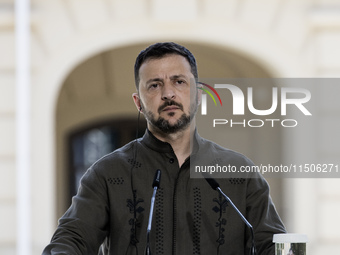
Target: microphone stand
[[147, 248], [214, 185], [253, 248], [155, 186]]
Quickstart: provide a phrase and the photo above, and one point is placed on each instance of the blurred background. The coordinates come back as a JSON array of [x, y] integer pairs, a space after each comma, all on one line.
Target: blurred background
[[66, 79]]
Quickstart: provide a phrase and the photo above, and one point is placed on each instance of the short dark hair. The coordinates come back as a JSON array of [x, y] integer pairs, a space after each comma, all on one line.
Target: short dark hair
[[159, 50]]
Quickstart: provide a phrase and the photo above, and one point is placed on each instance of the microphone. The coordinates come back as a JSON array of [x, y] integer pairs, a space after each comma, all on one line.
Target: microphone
[[155, 186], [157, 179], [214, 185]]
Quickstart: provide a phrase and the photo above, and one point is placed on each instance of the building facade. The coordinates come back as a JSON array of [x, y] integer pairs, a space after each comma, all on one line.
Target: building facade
[[82, 54]]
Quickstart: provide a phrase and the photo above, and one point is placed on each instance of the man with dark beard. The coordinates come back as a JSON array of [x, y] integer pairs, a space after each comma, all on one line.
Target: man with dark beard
[[190, 217]]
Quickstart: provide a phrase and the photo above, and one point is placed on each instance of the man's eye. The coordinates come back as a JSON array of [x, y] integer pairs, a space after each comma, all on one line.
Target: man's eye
[[180, 82], [153, 86]]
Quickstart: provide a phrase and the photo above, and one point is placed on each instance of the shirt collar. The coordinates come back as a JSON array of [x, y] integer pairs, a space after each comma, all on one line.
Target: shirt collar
[[157, 145]]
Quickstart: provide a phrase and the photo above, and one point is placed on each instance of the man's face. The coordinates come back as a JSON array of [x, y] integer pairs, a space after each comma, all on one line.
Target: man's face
[[167, 93]]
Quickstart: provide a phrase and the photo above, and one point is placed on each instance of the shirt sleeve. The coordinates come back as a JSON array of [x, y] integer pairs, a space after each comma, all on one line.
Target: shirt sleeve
[[84, 226], [263, 216]]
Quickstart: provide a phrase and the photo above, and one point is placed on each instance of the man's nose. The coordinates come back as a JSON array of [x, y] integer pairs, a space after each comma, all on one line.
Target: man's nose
[[168, 92]]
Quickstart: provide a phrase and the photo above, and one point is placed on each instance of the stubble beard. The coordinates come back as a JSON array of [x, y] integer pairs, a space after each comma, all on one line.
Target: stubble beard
[[164, 125]]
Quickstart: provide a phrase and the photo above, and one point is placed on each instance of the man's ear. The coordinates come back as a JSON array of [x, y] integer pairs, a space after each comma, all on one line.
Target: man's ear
[[199, 93], [199, 96], [137, 101]]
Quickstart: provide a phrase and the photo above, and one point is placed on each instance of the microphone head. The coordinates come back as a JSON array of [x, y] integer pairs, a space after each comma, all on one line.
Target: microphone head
[[157, 179], [212, 182]]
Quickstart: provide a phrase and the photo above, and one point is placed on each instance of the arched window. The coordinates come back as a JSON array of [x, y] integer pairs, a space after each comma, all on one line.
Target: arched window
[[87, 144]]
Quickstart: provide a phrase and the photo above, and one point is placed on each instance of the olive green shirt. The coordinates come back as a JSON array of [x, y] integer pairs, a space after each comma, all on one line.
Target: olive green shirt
[[111, 209]]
